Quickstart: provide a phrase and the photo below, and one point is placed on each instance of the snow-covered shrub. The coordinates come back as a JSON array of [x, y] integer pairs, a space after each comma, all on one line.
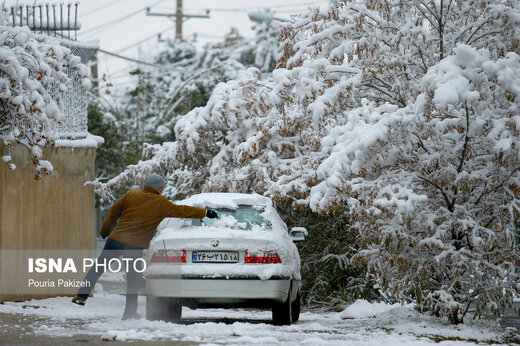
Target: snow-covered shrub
[[437, 205], [425, 151], [404, 113], [30, 71]]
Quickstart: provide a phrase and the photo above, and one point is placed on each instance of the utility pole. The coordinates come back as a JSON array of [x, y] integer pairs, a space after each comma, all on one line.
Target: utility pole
[[178, 21], [179, 17]]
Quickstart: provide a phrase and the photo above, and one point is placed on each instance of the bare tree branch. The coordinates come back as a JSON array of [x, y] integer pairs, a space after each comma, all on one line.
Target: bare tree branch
[[444, 194], [466, 140]]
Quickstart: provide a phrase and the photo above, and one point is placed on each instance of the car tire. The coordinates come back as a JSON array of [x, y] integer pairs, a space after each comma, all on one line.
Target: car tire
[[164, 309], [282, 312], [295, 308]]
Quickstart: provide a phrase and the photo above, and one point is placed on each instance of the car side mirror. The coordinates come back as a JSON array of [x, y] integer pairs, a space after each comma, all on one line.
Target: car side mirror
[[298, 234]]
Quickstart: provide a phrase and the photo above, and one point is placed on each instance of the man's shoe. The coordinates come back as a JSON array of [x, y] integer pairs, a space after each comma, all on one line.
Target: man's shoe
[[78, 300]]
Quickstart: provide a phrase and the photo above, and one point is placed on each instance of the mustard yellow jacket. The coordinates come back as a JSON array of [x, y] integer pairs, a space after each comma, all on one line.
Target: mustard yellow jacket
[[140, 212]]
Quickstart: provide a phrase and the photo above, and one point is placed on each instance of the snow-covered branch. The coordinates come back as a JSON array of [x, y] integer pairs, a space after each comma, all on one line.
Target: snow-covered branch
[[30, 69]]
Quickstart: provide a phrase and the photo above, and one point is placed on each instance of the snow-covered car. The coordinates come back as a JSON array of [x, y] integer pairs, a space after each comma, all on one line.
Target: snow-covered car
[[245, 258]]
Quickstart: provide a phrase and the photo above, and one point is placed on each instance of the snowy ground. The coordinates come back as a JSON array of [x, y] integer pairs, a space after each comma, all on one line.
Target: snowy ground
[[360, 324]]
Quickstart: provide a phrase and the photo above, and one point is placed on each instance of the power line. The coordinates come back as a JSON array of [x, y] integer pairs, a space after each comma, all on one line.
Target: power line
[[100, 28], [144, 40], [139, 61], [101, 8], [245, 9], [138, 42]]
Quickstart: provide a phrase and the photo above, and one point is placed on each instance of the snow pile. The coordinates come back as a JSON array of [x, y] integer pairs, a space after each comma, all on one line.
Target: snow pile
[[364, 309], [226, 200], [101, 316], [91, 141]]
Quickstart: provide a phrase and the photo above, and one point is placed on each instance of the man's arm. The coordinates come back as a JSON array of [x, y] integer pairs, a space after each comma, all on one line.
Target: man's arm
[[113, 214], [183, 211]]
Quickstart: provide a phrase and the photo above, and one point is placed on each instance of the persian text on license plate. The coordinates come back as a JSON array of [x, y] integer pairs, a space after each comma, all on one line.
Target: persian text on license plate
[[214, 257]]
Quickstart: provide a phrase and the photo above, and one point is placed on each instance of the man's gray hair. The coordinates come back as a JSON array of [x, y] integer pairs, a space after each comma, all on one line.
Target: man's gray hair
[[154, 180]]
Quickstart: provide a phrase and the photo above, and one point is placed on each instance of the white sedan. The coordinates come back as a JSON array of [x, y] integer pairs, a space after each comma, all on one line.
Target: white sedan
[[245, 258]]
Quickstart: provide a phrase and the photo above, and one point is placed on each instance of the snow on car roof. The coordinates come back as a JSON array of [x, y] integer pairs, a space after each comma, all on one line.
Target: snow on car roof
[[226, 200]]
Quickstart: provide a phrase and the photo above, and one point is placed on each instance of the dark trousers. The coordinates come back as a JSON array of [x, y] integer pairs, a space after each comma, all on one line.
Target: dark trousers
[[116, 249]]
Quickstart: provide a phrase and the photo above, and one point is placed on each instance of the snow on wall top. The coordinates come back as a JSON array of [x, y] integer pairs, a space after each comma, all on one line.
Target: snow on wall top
[[226, 200], [91, 141]]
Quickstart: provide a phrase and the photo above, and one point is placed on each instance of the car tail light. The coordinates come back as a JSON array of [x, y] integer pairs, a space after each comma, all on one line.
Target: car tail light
[[169, 256], [260, 256]]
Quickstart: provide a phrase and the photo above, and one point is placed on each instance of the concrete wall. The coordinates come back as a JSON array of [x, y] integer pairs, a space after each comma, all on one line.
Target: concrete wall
[[54, 213]]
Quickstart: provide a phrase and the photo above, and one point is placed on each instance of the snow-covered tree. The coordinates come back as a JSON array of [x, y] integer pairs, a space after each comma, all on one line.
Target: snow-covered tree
[[405, 113], [436, 203], [33, 75], [188, 79], [151, 109], [189, 76], [424, 146]]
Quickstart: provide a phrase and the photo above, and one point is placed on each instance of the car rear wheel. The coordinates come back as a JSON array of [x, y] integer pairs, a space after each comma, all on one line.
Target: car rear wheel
[[282, 312], [295, 308], [165, 309]]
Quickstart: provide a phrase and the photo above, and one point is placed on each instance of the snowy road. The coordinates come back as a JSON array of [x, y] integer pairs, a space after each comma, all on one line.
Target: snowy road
[[360, 324]]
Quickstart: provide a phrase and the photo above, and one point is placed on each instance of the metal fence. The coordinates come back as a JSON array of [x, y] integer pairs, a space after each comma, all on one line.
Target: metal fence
[[51, 19], [74, 123], [59, 24]]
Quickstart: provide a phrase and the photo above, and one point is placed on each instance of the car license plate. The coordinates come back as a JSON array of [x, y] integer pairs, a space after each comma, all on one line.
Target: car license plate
[[214, 257]]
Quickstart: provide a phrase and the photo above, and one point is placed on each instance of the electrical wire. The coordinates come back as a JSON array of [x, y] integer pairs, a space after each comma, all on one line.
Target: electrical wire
[[100, 28], [144, 39], [139, 61], [138, 43], [100, 8], [246, 9]]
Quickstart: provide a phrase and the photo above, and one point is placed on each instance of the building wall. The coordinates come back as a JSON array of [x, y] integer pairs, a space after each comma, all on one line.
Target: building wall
[[54, 213]]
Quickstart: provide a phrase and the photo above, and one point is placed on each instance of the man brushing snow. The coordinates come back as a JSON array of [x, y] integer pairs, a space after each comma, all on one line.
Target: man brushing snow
[[139, 212]]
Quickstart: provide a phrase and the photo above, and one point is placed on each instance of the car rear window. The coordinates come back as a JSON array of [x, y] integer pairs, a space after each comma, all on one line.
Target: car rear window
[[243, 218]]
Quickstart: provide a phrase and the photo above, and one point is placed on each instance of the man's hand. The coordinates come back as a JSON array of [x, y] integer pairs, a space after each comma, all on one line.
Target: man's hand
[[212, 214]]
